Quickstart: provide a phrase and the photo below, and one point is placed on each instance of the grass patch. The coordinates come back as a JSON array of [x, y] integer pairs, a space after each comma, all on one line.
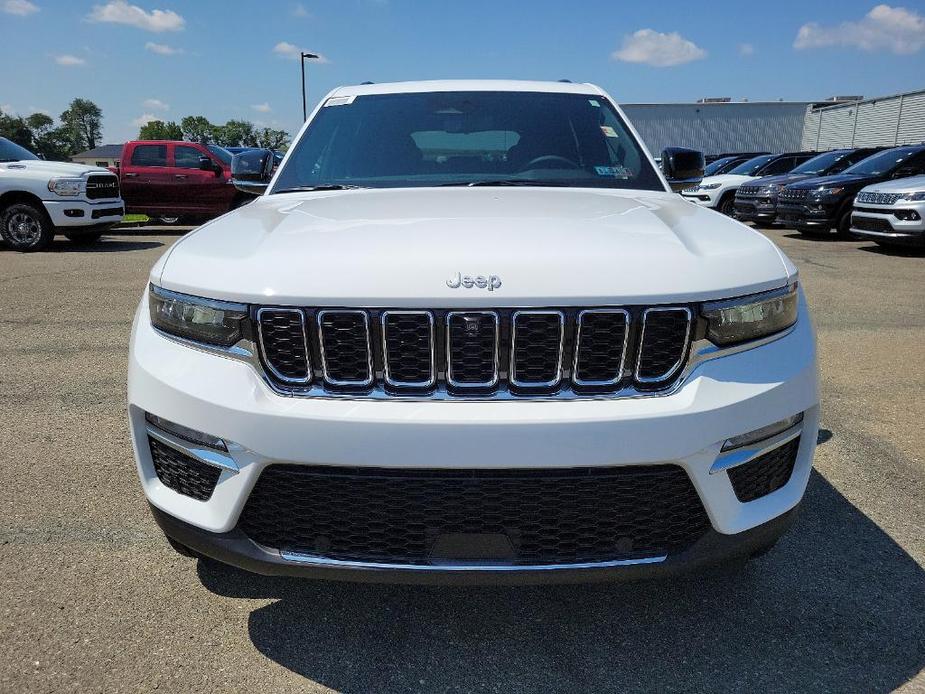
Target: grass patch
[[131, 218]]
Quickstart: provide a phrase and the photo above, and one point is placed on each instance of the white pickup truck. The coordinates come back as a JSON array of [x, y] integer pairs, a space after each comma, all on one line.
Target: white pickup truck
[[39, 199]]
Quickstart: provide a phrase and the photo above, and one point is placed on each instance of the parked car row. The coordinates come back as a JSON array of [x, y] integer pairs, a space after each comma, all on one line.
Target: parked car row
[[820, 192]]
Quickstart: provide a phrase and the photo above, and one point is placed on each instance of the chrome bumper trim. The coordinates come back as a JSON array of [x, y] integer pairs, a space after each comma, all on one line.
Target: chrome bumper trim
[[209, 456], [471, 568], [746, 454]]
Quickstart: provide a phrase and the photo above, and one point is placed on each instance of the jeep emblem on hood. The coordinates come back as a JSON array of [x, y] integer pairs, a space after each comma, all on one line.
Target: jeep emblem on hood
[[491, 283]]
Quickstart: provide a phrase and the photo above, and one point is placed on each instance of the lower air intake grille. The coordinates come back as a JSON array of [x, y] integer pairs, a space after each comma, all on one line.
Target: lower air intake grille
[[183, 474], [764, 474], [525, 517], [664, 343]]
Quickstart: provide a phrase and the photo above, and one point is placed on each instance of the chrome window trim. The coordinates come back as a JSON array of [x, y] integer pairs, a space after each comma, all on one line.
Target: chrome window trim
[[626, 337], [369, 349], [642, 334], [429, 383], [512, 375], [305, 344], [203, 454], [496, 376], [315, 560], [747, 453]]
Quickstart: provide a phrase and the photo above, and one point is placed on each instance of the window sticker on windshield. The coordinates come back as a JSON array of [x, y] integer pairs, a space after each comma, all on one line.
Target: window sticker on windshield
[[613, 171], [340, 100], [608, 131], [594, 102]]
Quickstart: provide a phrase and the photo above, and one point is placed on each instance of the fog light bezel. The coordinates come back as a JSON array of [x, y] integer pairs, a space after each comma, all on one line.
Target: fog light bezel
[[756, 436], [185, 433]]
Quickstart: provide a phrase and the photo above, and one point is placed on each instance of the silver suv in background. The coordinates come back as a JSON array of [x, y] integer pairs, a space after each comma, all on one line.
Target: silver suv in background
[[891, 213]]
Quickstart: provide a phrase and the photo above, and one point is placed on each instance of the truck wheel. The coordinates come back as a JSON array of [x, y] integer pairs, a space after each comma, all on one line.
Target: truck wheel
[[83, 239], [25, 227], [727, 204]]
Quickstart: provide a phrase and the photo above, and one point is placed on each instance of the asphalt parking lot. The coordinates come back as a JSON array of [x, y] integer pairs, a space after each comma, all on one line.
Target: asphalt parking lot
[[94, 599]]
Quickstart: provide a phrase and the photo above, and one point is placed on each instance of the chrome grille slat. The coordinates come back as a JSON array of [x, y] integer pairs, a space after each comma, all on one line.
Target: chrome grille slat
[[283, 340], [584, 351], [402, 339], [661, 326], [343, 351], [477, 355], [531, 349]]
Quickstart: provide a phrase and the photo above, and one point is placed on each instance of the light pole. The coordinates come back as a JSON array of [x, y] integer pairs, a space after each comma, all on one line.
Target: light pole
[[310, 56]]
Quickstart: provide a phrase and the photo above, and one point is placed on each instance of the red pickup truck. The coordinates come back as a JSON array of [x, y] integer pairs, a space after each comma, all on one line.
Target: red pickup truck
[[171, 179]]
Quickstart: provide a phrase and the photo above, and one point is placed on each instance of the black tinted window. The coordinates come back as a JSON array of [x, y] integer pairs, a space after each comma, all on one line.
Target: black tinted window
[[150, 155], [778, 166], [10, 151], [752, 166], [884, 163], [186, 157], [454, 138]]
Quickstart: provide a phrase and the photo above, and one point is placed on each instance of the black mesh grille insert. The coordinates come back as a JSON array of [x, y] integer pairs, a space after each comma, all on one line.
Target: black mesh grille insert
[[181, 473], [537, 348], [472, 352], [409, 343], [871, 224], [345, 347], [764, 474], [283, 344], [601, 344], [541, 516], [102, 186], [663, 344]]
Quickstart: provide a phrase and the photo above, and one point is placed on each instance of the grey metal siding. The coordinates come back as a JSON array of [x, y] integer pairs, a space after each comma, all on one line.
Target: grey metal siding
[[716, 128], [887, 121], [911, 128]]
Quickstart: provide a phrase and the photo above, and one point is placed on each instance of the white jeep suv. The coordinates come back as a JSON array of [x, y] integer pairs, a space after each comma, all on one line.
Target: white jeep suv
[[469, 333], [39, 199], [892, 213]]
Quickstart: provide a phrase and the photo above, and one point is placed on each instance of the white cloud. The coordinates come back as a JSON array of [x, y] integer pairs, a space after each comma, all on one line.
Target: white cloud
[[884, 28], [144, 119], [22, 8], [654, 48], [746, 49], [155, 105], [162, 48], [6, 108], [69, 60], [120, 12], [284, 49], [300, 11], [262, 108]]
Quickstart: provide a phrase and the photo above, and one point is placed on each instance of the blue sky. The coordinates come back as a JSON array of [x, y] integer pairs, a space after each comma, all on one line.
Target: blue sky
[[229, 59]]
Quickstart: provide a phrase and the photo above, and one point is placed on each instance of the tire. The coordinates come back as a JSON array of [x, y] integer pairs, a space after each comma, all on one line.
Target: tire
[[24, 226], [843, 226], [727, 205], [83, 239]]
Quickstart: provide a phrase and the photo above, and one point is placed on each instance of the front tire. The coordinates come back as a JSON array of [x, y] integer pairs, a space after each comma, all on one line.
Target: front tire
[[843, 226], [727, 205], [26, 227]]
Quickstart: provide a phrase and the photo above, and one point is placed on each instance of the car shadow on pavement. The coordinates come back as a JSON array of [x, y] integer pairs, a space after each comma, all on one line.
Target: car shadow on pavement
[[104, 245], [837, 605], [822, 238], [900, 251]]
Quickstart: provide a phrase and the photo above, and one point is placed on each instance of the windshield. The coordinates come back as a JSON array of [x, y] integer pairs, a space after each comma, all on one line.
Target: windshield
[[821, 164], [223, 154], [748, 168], [10, 151], [717, 166], [882, 163], [461, 138]]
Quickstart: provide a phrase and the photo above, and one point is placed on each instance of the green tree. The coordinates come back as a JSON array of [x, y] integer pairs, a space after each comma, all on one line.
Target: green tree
[[159, 130], [16, 129], [235, 133], [271, 138], [83, 123], [197, 129]]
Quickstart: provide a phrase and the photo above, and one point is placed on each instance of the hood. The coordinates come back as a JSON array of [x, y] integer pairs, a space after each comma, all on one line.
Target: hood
[[911, 184], [51, 168], [781, 179], [728, 179], [401, 247], [842, 180]]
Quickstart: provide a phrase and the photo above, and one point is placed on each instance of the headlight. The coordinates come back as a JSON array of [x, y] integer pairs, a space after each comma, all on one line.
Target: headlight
[[66, 186], [195, 318], [826, 192], [913, 197], [709, 186], [751, 317]]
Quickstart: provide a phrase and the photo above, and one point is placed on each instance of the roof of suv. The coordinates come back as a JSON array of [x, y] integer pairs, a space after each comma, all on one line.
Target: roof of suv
[[468, 86]]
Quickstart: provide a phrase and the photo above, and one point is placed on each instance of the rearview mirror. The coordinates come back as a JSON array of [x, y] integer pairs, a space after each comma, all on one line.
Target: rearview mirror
[[682, 167], [252, 170]]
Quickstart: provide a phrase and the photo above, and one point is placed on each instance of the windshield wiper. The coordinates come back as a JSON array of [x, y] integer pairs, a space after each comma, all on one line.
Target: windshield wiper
[[323, 186], [504, 182]]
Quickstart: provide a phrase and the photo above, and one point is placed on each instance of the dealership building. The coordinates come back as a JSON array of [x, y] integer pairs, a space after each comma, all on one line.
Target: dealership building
[[714, 126]]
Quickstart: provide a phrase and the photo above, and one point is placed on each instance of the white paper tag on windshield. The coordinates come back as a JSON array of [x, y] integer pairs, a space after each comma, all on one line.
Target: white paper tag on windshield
[[340, 100], [608, 131]]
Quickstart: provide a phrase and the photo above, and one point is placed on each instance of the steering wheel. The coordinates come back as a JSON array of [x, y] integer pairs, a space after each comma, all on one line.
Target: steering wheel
[[549, 158]]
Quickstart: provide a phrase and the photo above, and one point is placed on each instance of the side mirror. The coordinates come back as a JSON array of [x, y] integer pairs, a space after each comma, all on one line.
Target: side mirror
[[206, 164], [682, 167], [252, 170]]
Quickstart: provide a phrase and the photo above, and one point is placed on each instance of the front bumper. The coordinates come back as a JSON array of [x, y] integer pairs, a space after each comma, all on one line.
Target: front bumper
[[81, 213], [881, 223], [227, 398], [812, 215], [755, 209], [704, 198]]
